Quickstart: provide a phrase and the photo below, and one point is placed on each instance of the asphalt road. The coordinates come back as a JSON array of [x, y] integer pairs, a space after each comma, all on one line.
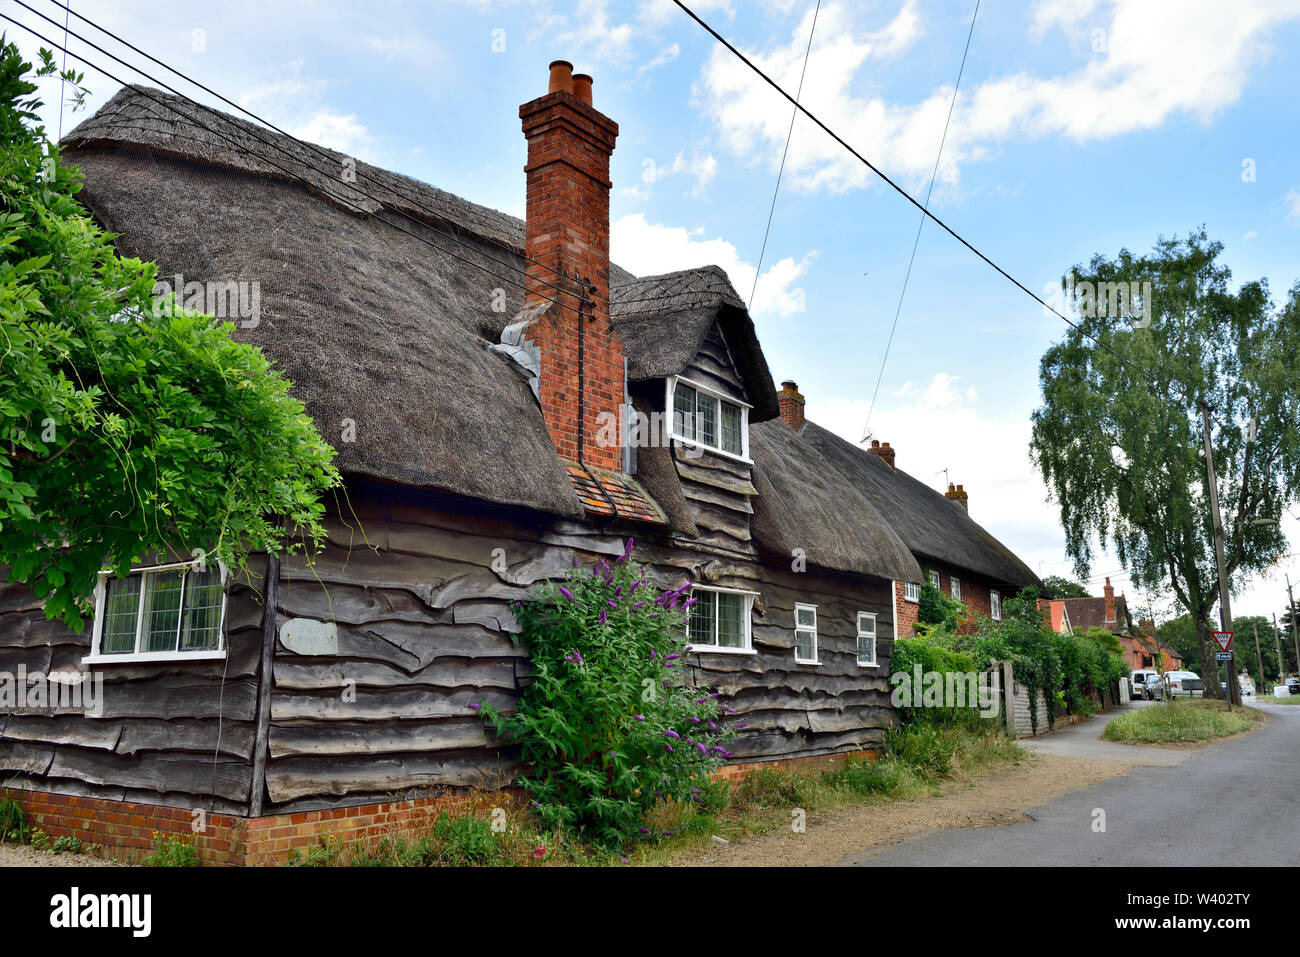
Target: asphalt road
[[1155, 814]]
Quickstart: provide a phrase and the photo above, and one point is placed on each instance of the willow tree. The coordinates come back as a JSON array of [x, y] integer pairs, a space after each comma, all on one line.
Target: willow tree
[[124, 431], [1119, 439]]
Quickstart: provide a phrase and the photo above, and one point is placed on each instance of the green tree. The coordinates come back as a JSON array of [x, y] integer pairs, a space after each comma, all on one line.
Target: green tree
[[1058, 587], [1119, 443], [1181, 635], [124, 432]]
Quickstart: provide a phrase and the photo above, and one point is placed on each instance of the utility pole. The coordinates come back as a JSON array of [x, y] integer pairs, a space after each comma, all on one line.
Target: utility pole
[[1259, 657], [1295, 635], [1225, 610], [1277, 640]]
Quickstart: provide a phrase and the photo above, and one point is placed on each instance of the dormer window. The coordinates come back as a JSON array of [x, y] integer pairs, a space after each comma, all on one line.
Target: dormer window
[[706, 418]]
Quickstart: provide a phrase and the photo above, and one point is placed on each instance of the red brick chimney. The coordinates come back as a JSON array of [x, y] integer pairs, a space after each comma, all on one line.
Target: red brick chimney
[[957, 494], [1109, 592], [791, 403], [883, 451], [566, 240]]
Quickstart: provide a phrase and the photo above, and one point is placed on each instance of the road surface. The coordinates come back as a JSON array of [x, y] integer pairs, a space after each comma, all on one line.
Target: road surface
[[1155, 814]]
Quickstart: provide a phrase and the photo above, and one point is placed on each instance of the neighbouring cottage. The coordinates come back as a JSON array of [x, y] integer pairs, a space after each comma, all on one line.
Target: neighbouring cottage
[[1141, 648], [490, 435]]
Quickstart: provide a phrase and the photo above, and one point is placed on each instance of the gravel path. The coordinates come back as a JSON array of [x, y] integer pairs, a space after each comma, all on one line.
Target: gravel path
[[20, 855]]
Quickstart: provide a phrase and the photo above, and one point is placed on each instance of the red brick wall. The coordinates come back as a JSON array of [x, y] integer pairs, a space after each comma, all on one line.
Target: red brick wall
[[126, 829], [905, 611], [567, 228], [974, 594]]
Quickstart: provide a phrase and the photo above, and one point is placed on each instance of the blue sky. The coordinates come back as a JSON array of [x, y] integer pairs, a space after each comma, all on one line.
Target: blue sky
[[1082, 126]]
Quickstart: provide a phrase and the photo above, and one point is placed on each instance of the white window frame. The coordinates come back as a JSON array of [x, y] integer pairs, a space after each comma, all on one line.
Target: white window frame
[[954, 587], [97, 657], [933, 576], [747, 617], [911, 591], [995, 604], [693, 443], [875, 628], [816, 641]]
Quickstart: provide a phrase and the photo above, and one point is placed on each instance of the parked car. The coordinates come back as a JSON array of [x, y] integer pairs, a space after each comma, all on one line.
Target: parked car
[[1187, 683], [1146, 684], [1293, 685]]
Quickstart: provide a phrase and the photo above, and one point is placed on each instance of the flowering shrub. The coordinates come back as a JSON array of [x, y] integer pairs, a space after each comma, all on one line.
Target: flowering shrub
[[612, 723]]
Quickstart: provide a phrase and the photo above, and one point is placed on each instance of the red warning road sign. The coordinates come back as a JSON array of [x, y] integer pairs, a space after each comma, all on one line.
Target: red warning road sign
[[1224, 638]]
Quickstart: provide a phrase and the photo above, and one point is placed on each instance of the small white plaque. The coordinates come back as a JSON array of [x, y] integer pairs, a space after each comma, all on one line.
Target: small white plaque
[[307, 636]]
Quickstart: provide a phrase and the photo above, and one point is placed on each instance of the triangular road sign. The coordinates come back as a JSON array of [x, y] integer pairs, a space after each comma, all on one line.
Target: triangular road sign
[[1224, 638]]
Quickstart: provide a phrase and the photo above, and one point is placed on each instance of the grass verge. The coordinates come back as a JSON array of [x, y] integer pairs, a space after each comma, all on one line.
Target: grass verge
[[1181, 722], [1269, 699]]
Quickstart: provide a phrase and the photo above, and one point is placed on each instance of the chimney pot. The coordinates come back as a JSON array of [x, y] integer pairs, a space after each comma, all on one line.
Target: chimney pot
[[791, 404], [883, 451], [957, 494], [561, 77], [582, 87]]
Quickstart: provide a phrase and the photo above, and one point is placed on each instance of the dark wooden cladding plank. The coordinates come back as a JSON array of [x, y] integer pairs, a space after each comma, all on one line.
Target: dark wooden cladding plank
[[451, 734], [31, 629], [314, 674], [23, 758], [848, 719], [386, 705], [412, 646], [288, 779], [160, 772], [71, 729], [232, 738], [716, 478], [181, 696], [720, 499], [17, 598], [352, 604], [33, 661], [240, 664]]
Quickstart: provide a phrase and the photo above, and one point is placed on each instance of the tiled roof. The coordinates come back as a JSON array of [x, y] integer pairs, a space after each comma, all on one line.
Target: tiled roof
[[628, 497]]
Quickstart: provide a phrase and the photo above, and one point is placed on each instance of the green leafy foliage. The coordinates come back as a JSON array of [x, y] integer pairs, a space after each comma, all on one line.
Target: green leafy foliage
[[937, 608], [611, 725], [124, 432], [172, 850], [1123, 452], [1058, 587]]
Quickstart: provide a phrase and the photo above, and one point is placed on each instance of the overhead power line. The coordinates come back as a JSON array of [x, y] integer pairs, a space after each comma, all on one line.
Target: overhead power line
[[794, 114], [916, 241], [925, 212]]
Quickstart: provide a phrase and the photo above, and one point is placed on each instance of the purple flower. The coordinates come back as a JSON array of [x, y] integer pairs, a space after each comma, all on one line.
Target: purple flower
[[566, 593], [689, 602], [638, 604], [613, 603], [671, 733], [703, 750], [644, 830], [603, 619], [739, 725], [701, 700], [653, 656], [671, 664], [640, 717], [474, 706], [669, 747], [672, 657], [627, 550], [695, 720], [712, 726]]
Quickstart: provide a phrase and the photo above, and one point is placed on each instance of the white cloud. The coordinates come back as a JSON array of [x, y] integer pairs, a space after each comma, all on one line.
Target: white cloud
[[648, 249], [337, 132], [666, 55], [1153, 66], [701, 167], [1292, 201]]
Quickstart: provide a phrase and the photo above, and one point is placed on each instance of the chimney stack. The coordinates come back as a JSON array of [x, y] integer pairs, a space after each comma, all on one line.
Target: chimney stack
[[1109, 592], [566, 242], [957, 494], [882, 450], [791, 403]]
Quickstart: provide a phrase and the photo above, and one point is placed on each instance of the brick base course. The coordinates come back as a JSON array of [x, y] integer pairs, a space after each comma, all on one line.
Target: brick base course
[[127, 830]]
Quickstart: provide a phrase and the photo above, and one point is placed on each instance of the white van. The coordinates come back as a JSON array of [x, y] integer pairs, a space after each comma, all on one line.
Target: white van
[[1187, 683], [1146, 684]]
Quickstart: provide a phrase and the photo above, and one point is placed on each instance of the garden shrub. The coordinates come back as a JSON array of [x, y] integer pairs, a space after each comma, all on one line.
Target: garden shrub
[[611, 724]]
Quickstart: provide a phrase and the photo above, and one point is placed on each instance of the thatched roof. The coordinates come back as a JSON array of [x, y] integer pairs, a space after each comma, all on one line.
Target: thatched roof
[[806, 502], [372, 325], [929, 524], [663, 321]]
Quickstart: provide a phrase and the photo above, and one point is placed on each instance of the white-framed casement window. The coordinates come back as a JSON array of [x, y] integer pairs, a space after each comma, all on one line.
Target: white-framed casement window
[[955, 587], [912, 591], [703, 417], [995, 605], [805, 634], [866, 639], [719, 620], [934, 578], [160, 613]]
